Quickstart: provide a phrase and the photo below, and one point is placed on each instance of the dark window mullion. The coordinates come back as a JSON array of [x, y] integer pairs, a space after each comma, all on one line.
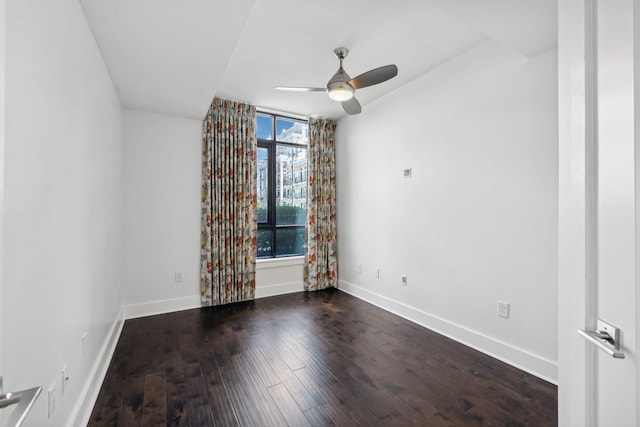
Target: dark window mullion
[[272, 194], [264, 144], [271, 223], [290, 226]]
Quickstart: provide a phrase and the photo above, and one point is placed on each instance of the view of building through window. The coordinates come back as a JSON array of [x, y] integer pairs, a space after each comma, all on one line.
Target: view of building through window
[[281, 185]]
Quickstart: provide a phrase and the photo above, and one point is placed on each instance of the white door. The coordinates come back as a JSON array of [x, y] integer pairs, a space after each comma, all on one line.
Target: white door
[[2, 136], [599, 192]]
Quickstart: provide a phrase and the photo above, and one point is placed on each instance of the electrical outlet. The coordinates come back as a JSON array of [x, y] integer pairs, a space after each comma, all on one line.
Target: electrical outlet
[[503, 309], [63, 380], [84, 345], [377, 272], [178, 276], [403, 280], [52, 399]]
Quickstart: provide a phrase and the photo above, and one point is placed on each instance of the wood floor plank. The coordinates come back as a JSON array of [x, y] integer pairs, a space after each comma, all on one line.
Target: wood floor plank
[[133, 397], [270, 414], [221, 407], [246, 410], [330, 405], [357, 409], [357, 382], [318, 416], [154, 410], [285, 353], [197, 405], [320, 358], [303, 397], [267, 374], [287, 406], [175, 391]]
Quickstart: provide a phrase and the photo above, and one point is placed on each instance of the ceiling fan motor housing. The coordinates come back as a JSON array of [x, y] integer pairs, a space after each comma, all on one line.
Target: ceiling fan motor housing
[[338, 87]]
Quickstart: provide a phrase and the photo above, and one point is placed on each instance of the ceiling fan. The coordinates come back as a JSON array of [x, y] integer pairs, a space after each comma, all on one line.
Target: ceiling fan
[[341, 87]]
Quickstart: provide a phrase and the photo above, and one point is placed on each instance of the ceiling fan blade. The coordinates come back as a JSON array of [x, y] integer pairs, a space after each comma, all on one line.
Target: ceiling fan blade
[[352, 106], [301, 89], [375, 76]]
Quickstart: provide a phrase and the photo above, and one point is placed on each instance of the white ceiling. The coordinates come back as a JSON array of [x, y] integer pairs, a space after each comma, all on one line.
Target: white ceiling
[[174, 56]]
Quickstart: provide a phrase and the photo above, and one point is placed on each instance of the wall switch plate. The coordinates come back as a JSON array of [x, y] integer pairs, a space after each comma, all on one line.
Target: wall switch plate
[[178, 277], [52, 399], [359, 268], [377, 272], [503, 309], [403, 280]]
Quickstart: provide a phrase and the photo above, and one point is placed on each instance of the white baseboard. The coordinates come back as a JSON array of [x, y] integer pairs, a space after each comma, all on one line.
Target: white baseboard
[[279, 289], [151, 308], [82, 410], [521, 359]]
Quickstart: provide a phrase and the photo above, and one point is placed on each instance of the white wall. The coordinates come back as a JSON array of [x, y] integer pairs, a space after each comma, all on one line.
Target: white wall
[[162, 218], [477, 221], [162, 211], [63, 220]]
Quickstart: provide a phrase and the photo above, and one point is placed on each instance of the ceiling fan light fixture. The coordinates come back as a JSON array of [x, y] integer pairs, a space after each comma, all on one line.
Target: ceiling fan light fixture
[[340, 91], [341, 87]]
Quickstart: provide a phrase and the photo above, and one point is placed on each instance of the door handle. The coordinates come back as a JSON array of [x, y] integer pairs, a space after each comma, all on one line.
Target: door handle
[[606, 337], [24, 399]]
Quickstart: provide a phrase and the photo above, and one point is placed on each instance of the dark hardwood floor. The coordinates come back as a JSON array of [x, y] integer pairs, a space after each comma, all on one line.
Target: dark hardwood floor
[[303, 359]]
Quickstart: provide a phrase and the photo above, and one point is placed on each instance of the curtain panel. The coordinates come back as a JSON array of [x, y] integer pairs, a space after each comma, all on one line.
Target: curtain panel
[[229, 203], [321, 263]]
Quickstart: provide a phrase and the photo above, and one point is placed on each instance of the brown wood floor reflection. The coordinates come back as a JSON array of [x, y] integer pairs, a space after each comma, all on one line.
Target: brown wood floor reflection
[[316, 359]]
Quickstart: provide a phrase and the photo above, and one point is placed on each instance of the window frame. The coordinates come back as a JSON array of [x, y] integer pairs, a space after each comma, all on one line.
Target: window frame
[[271, 146]]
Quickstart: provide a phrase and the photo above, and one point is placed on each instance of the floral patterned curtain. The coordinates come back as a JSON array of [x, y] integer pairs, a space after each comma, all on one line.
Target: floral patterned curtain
[[321, 263], [229, 207]]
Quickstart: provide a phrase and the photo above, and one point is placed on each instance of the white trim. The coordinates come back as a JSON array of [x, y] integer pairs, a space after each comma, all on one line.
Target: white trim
[[573, 352], [263, 264], [3, 126], [636, 102], [151, 308], [279, 289], [591, 202], [521, 359], [89, 394]]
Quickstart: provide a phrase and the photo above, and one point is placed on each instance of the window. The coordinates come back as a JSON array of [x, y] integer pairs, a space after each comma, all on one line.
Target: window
[[282, 185]]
